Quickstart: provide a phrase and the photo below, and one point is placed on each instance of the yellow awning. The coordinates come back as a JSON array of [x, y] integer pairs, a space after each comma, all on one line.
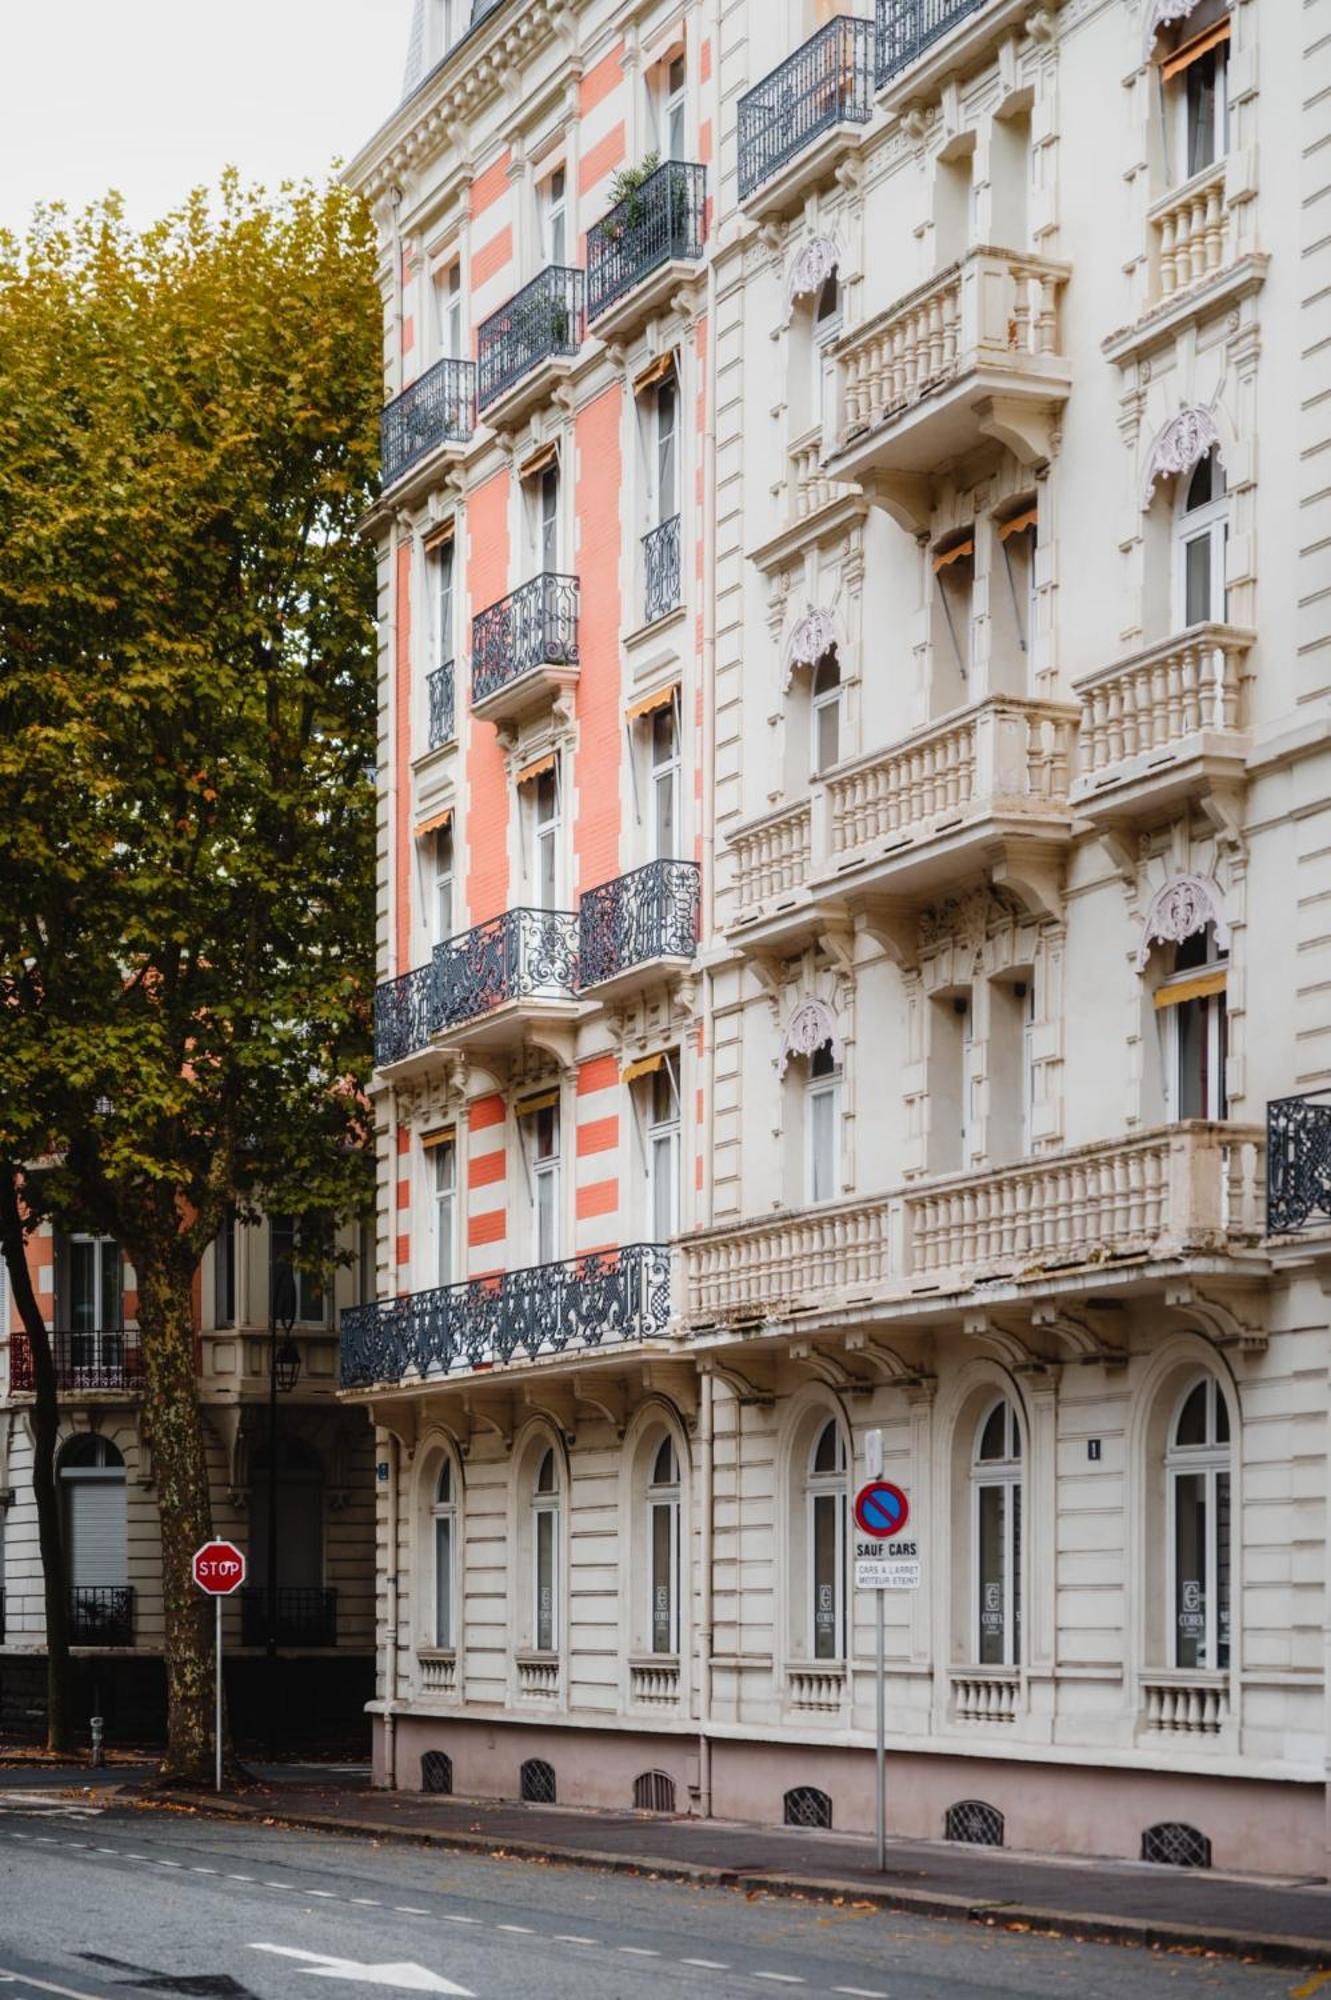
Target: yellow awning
[[655, 371], [648, 1066], [537, 769], [1193, 51], [650, 703], [1192, 989], [539, 460], [1017, 523], [435, 825], [438, 536], [954, 554], [530, 1105], [445, 1136]]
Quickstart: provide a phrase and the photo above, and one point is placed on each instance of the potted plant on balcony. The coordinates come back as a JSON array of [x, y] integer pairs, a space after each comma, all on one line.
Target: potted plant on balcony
[[626, 196]]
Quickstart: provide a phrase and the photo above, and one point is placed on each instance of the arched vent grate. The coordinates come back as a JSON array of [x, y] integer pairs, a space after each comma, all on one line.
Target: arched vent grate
[[436, 1771], [1175, 1845], [654, 1791], [538, 1783], [973, 1821], [806, 1806]]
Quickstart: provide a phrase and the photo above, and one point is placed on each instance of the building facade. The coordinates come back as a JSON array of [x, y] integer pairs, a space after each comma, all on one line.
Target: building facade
[[853, 844], [323, 1487]]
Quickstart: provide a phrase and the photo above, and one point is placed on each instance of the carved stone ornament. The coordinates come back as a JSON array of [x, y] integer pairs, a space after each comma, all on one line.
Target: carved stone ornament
[[1163, 14], [1183, 443], [1186, 905], [810, 268], [967, 920], [809, 1029], [813, 635]]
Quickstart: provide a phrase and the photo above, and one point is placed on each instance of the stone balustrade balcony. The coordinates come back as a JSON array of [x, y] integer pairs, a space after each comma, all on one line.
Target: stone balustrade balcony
[[1190, 233]]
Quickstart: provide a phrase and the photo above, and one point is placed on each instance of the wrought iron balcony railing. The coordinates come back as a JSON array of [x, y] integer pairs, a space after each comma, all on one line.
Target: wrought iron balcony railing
[[83, 1361], [304, 1616], [652, 913], [536, 626], [439, 686], [607, 1298], [662, 576], [907, 27], [662, 221], [827, 82], [101, 1616], [403, 1016], [546, 318], [439, 408], [523, 955], [1298, 1161]]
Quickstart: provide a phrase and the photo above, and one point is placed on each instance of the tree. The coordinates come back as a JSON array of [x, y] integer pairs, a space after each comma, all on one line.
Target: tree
[[188, 436]]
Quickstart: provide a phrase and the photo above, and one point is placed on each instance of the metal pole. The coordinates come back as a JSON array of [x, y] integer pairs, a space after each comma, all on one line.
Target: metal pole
[[881, 1721], [217, 1722], [271, 1606]]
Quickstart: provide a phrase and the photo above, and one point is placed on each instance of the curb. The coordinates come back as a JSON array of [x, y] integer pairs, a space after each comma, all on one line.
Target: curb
[[1147, 1933]]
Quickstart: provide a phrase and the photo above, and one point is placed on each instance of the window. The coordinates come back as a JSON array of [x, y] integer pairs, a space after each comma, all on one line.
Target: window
[[822, 1104], [544, 824], [443, 884], [659, 1100], [826, 328], [1195, 78], [667, 441], [224, 1273], [665, 783], [300, 1528], [1197, 1469], [96, 1302], [954, 597], [996, 1482], [444, 648], [444, 1515], [672, 109], [1012, 603], [92, 1481], [826, 1489], [663, 1541], [449, 18], [538, 1129], [289, 1238], [448, 291], [549, 519], [1194, 1028], [545, 1570], [1201, 533], [443, 1168], [826, 714], [552, 201]]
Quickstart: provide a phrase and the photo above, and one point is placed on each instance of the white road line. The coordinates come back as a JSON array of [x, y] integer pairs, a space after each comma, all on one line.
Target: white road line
[[707, 1964], [409, 1910], [329, 1895], [45, 1986], [861, 1992], [638, 1951], [279, 1885], [116, 1850], [366, 1902], [449, 1919], [193, 1871], [563, 1937], [230, 1878], [167, 1864], [519, 1930], [779, 1978]]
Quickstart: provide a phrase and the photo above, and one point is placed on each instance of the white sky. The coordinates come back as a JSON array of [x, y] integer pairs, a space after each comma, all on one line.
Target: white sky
[[155, 96]]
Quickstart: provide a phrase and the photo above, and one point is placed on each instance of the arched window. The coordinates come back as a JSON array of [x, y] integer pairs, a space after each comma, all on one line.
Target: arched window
[[826, 328], [826, 701], [1197, 1473], [996, 1472], [1201, 530], [545, 1542], [663, 1544], [822, 1103], [826, 1496], [444, 1516]]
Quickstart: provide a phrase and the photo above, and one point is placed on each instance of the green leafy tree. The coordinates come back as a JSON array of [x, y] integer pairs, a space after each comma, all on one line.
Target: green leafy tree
[[188, 437]]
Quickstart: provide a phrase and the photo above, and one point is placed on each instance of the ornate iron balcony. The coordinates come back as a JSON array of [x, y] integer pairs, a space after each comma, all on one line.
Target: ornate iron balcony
[[606, 1298], [83, 1361], [536, 626], [439, 408], [544, 319], [1298, 1161], [403, 1016], [907, 27], [652, 913], [101, 1617], [305, 1616], [663, 220], [827, 82], [440, 689], [661, 570], [523, 955]]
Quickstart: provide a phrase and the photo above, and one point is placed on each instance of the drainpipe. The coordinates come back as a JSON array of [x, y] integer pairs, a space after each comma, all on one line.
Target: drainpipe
[[705, 1419], [399, 303], [390, 1619]]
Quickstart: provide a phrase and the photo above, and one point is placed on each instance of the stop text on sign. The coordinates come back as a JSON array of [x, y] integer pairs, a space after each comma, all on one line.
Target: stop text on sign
[[219, 1568]]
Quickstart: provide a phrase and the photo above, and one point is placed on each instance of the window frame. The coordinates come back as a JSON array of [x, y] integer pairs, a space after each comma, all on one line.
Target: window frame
[[1214, 1016], [827, 699], [664, 1497], [443, 884], [552, 207], [1208, 522], [823, 1486], [542, 1170], [544, 835], [1006, 1475], [444, 1210], [1211, 1461], [444, 1513], [819, 1087], [545, 1506]]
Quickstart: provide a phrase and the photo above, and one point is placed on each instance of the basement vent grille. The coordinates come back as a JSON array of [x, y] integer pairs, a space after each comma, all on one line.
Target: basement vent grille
[[1176, 1846], [973, 1821], [436, 1771], [654, 1791], [538, 1783], [806, 1806]]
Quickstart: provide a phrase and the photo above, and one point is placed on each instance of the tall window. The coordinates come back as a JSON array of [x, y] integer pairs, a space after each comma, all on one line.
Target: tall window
[[289, 1238], [224, 1272], [544, 821], [96, 1303], [538, 1128], [826, 1489], [663, 1537], [996, 1482], [1201, 532], [1013, 612], [545, 1569], [444, 647], [1197, 1469], [822, 1102], [826, 713], [444, 1515], [826, 328], [1194, 1028], [92, 1480], [448, 19], [443, 884], [443, 1167], [667, 449], [449, 292], [665, 783], [672, 103], [661, 1093], [552, 199], [549, 518], [954, 601], [1195, 78]]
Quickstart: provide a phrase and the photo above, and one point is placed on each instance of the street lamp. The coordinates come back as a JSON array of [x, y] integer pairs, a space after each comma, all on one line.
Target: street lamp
[[283, 1371]]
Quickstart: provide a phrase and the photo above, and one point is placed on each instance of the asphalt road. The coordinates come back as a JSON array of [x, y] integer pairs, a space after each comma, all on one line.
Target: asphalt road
[[101, 1905]]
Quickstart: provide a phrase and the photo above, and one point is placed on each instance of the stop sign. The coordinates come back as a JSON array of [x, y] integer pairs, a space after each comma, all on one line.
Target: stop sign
[[219, 1568]]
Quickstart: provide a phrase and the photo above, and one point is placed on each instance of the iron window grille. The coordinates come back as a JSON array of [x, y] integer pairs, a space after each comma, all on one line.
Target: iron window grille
[[806, 1806], [661, 222], [974, 1822], [537, 1782], [827, 82], [437, 1772], [649, 914], [101, 1615], [654, 1791], [109, 1358], [1176, 1845], [907, 27], [305, 1616], [439, 687], [662, 574], [438, 408], [534, 626], [1298, 1161], [545, 319]]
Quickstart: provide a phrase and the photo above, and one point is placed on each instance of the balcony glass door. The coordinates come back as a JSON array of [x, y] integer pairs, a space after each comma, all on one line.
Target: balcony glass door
[[665, 784], [96, 1302]]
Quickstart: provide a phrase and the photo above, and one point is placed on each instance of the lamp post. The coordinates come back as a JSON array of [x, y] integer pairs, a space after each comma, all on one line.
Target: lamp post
[[283, 1371]]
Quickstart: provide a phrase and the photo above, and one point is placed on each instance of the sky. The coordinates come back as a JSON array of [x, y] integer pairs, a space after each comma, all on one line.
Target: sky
[[154, 97]]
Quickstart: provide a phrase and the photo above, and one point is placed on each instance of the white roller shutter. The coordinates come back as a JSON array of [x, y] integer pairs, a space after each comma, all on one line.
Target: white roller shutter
[[96, 1518]]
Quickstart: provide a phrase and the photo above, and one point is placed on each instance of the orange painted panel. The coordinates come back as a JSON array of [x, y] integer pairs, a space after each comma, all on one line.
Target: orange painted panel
[[705, 61], [601, 79], [598, 1135], [491, 258], [490, 1228], [602, 158], [485, 1112], [404, 1194], [487, 187], [403, 1140], [402, 759], [705, 144], [408, 335], [487, 777], [403, 1252], [601, 1073], [601, 1198], [600, 731], [488, 1169]]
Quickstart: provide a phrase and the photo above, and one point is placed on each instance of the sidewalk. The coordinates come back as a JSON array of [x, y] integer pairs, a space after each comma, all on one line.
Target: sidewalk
[[1278, 1921]]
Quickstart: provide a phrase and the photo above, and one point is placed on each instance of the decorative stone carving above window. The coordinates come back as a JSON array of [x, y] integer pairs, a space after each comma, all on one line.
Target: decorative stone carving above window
[[810, 268], [812, 635], [1185, 905], [1164, 14], [809, 1029], [1183, 443]]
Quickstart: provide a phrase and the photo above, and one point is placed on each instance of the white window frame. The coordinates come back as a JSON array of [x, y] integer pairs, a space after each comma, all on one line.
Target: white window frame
[[1216, 1107], [1210, 1461], [671, 105], [664, 1497], [666, 1132], [553, 210], [545, 832], [444, 1511], [547, 1505], [1179, 119], [664, 772], [1007, 1474], [1028, 1070], [445, 604], [105, 1251], [823, 1486], [444, 1211], [825, 332], [822, 701], [666, 441], [816, 1089], [1208, 523], [452, 326], [443, 883], [540, 1170]]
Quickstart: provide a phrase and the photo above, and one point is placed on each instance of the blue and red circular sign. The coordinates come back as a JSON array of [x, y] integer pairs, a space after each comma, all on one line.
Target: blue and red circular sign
[[881, 1509]]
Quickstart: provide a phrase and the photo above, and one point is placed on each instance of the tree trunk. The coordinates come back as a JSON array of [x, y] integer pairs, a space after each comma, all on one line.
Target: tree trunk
[[45, 1431], [174, 1428]]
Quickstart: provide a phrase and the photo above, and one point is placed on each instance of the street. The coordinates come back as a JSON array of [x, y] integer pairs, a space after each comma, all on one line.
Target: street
[[96, 1904]]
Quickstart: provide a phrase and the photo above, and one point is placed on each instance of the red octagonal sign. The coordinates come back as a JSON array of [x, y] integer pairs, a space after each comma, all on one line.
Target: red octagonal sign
[[219, 1568]]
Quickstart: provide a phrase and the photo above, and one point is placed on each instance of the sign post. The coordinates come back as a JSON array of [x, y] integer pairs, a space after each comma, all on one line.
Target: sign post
[[882, 1562], [219, 1570]]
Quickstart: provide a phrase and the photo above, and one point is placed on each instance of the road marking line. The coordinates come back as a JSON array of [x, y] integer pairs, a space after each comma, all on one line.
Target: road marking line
[[167, 1864], [781, 1978], [460, 1920], [637, 1951], [519, 1930], [329, 1895], [45, 1986], [230, 1878], [365, 1902], [861, 1992], [707, 1964], [193, 1871], [563, 1937], [110, 1850], [406, 1909], [279, 1885]]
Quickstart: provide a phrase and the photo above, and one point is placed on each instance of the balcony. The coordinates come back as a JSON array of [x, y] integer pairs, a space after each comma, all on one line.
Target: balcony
[[528, 344], [403, 1017], [797, 123], [436, 411], [972, 354], [495, 981], [639, 251], [662, 576], [607, 1299], [101, 1616], [1163, 726], [304, 1616], [1298, 1155], [442, 721], [908, 28], [633, 930], [524, 650], [773, 858], [1188, 1189], [85, 1363]]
